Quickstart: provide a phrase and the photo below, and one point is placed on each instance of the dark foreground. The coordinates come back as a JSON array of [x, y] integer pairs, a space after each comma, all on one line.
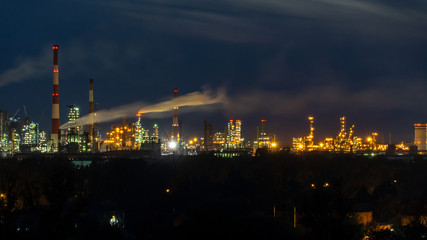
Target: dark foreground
[[281, 196]]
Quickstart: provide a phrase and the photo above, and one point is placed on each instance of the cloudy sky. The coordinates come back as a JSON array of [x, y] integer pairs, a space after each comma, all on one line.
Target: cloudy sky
[[279, 60]]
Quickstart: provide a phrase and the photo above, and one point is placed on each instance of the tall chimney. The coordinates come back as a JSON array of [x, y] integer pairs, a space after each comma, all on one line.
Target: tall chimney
[[55, 99], [175, 125], [91, 113], [263, 127]]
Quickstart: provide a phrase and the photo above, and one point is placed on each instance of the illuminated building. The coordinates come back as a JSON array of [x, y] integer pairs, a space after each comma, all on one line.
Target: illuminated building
[[373, 141], [4, 122], [327, 145], [30, 134], [122, 137], [264, 139], [233, 134], [345, 141], [42, 142], [297, 144], [420, 139], [73, 133], [14, 133], [156, 132], [309, 140], [306, 143], [219, 140], [139, 131], [229, 143], [132, 136], [237, 136], [192, 146], [341, 141]]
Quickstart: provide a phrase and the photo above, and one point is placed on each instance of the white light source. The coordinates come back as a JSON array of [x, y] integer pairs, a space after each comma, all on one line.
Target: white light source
[[172, 144]]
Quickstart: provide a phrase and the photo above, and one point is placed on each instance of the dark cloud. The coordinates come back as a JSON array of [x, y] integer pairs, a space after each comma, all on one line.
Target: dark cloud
[[270, 20]]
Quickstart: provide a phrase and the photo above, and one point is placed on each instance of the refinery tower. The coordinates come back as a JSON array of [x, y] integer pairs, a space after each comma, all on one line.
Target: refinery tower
[[175, 125]]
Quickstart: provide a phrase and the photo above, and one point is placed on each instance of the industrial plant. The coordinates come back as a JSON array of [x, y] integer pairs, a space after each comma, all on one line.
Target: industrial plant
[[25, 136], [347, 142]]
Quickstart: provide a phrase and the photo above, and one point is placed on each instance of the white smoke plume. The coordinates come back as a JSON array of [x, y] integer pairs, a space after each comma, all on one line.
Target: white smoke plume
[[25, 69], [194, 99], [191, 99]]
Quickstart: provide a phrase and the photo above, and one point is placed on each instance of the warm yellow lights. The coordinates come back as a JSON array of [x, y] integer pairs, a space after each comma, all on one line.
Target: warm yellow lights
[[345, 141]]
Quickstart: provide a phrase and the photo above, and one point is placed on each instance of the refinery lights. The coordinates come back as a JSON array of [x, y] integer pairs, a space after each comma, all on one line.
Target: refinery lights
[[172, 144]]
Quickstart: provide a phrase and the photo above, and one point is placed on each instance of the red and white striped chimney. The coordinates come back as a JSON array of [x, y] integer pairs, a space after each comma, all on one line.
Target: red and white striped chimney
[[55, 99]]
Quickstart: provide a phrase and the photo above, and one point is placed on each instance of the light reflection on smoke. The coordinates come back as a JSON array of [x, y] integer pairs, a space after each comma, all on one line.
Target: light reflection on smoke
[[190, 101]]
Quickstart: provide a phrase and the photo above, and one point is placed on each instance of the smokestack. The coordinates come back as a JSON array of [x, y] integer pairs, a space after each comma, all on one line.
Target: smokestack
[[175, 125], [91, 112], [263, 127], [55, 99]]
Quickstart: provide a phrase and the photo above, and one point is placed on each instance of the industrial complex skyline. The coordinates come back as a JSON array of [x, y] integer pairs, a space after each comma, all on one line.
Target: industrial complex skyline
[[83, 134], [282, 61]]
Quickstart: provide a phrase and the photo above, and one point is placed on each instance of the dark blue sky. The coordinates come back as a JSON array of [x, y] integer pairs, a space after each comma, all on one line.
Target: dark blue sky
[[280, 60]]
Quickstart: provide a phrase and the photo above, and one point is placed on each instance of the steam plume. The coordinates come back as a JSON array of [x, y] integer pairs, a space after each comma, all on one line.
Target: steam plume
[[192, 99]]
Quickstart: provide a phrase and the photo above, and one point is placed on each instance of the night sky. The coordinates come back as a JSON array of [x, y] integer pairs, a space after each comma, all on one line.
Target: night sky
[[279, 60]]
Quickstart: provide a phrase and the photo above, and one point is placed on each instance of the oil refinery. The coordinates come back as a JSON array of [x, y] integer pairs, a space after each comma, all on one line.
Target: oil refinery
[[25, 136], [347, 142]]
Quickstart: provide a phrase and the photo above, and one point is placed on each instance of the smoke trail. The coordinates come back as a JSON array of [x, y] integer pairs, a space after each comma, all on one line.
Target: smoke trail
[[27, 69], [192, 99]]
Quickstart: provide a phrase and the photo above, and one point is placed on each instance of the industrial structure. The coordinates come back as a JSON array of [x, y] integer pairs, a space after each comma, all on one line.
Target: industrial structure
[[207, 136], [230, 139], [264, 139], [175, 125], [345, 141], [30, 137], [132, 136], [18, 135], [420, 138], [90, 128], [55, 102]]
